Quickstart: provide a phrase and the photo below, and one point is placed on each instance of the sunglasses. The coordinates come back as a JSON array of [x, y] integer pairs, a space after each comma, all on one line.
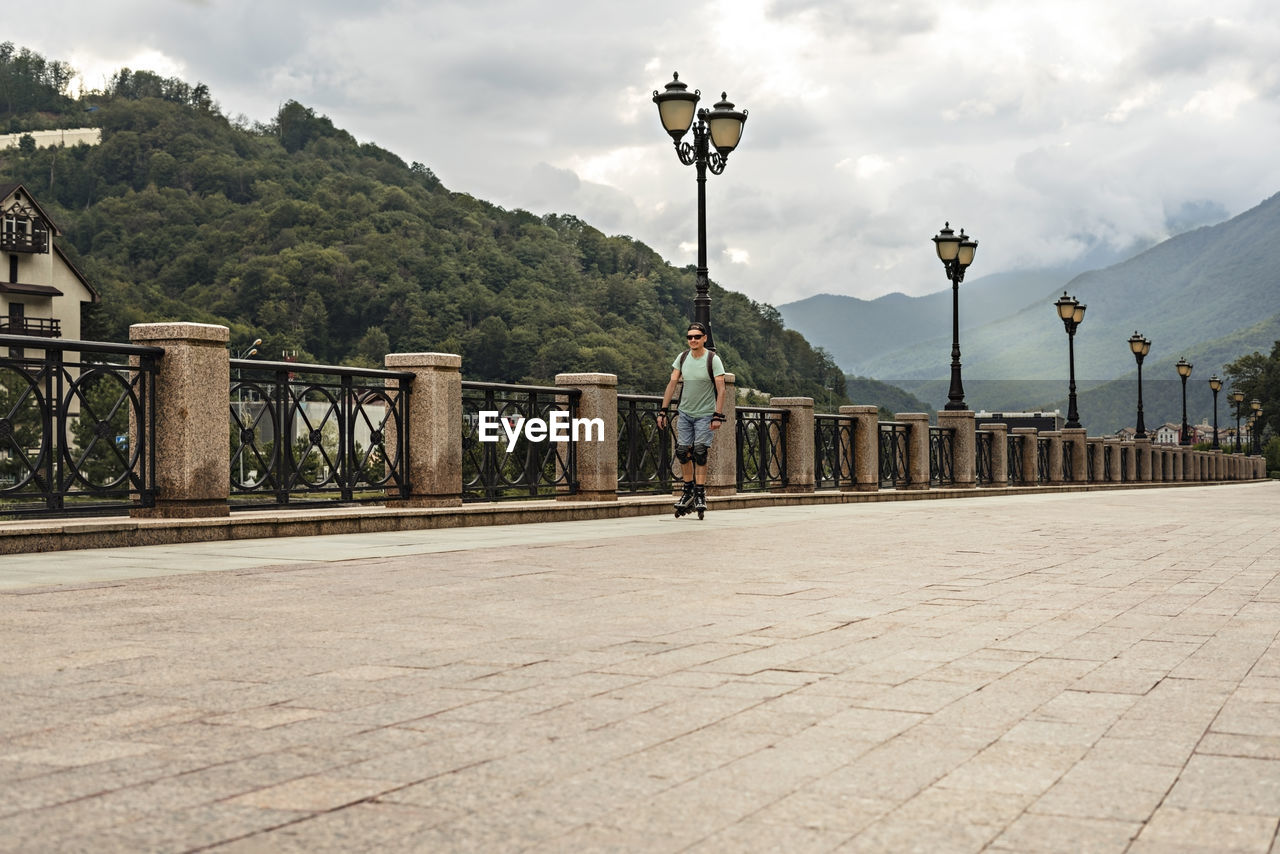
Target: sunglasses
[[693, 337]]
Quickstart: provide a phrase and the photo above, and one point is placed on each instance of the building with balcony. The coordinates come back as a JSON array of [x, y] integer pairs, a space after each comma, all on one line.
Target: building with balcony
[[41, 291]]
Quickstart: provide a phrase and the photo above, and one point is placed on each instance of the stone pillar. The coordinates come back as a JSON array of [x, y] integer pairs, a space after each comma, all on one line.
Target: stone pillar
[[864, 448], [1217, 465], [963, 446], [1116, 471], [192, 419], [1170, 454], [1178, 464], [1096, 449], [1029, 451], [1073, 444], [917, 448], [722, 464], [597, 454], [435, 428], [999, 455], [1142, 449], [1056, 477], [799, 439], [1157, 463]]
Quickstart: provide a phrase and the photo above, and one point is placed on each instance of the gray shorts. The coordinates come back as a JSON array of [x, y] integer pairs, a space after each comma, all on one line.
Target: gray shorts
[[693, 430]]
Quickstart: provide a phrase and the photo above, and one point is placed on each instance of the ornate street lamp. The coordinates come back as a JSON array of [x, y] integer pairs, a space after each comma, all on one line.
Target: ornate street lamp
[[720, 128], [1256, 406], [1184, 371], [1215, 383], [955, 251], [1141, 347], [1237, 397], [1071, 311]]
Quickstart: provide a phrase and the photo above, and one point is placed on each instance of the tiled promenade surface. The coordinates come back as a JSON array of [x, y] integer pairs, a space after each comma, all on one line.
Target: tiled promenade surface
[[1082, 672]]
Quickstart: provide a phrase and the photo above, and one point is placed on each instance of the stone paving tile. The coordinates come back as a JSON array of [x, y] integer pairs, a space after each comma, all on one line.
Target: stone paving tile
[[1171, 828], [1228, 784]]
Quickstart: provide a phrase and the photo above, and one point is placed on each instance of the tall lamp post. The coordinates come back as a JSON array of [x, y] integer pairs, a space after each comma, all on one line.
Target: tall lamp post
[[1071, 311], [1215, 383], [720, 128], [1237, 397], [1184, 371], [955, 251], [1140, 346], [1256, 405]]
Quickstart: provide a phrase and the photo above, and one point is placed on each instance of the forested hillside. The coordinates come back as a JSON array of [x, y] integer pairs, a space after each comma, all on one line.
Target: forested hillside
[[294, 232]]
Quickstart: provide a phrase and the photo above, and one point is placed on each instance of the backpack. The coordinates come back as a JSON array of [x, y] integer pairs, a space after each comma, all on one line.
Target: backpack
[[711, 370]]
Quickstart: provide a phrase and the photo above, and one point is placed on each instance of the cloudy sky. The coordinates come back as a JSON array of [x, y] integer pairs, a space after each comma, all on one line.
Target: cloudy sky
[[1056, 134]]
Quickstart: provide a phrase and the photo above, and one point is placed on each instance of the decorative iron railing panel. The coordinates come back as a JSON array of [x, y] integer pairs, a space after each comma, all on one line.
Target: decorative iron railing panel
[[832, 451], [983, 442], [1015, 458], [895, 454], [644, 448], [1068, 464], [762, 448], [499, 470], [304, 433], [77, 427], [1106, 462], [1125, 453], [1042, 460], [942, 456]]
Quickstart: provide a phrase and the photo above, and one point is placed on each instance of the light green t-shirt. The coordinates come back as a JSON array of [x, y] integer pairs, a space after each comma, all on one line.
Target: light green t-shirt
[[698, 397]]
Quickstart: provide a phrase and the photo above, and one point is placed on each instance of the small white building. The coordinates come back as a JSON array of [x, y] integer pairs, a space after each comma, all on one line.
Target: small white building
[[1167, 434]]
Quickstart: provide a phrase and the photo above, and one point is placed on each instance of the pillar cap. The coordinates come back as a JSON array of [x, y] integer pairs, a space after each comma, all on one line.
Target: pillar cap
[[210, 332], [792, 401], [423, 360], [587, 379]]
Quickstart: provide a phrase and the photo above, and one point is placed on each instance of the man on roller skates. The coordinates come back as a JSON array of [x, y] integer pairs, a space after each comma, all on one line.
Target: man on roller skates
[[701, 412]]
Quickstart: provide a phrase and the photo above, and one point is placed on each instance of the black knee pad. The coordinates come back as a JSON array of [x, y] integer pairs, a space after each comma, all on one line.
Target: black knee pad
[[684, 453], [700, 454]]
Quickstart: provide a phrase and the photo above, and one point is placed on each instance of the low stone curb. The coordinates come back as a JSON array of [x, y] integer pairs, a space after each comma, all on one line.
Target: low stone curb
[[42, 535]]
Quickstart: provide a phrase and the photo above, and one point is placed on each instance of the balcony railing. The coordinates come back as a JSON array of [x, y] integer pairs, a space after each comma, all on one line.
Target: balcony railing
[[20, 240], [40, 327], [983, 440]]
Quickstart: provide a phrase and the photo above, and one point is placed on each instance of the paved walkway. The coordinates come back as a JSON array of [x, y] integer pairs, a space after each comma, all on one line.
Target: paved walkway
[[1079, 672]]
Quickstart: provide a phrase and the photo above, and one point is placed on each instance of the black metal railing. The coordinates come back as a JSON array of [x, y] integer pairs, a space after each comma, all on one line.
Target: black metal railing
[[496, 467], [304, 433], [983, 446], [832, 451], [895, 454], [77, 428], [1126, 452], [942, 444], [1091, 472], [1014, 457], [1107, 452], [1068, 463], [644, 448], [1042, 460], [762, 448]]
